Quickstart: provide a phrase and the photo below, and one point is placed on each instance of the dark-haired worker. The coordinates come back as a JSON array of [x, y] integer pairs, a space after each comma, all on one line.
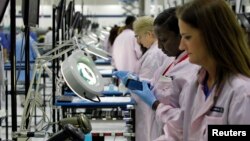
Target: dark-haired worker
[[220, 92], [169, 80], [126, 50], [151, 60], [109, 40]]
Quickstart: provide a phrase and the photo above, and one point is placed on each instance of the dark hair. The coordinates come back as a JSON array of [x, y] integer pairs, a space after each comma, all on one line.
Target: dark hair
[[167, 32], [222, 35], [168, 20], [113, 34], [129, 20]]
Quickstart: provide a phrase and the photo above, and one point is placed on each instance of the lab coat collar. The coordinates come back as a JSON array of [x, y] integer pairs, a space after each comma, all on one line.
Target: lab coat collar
[[183, 55], [204, 107], [154, 45]]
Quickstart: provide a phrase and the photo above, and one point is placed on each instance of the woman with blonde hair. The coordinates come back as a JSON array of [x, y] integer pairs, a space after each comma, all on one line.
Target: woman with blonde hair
[[151, 60]]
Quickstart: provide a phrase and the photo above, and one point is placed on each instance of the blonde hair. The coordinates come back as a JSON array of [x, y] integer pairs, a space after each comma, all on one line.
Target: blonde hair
[[143, 24]]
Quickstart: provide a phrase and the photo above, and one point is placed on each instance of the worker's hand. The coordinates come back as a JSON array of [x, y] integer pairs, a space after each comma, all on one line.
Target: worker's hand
[[124, 76], [120, 74], [146, 94]]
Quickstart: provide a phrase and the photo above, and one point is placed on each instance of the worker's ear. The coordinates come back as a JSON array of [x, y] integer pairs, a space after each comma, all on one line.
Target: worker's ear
[[149, 33]]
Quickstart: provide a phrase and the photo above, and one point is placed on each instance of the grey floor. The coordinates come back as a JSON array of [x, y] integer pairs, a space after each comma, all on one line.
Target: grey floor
[[96, 125]]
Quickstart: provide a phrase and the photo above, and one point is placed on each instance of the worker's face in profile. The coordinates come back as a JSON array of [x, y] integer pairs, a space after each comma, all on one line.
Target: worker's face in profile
[[168, 41], [192, 41], [144, 39]]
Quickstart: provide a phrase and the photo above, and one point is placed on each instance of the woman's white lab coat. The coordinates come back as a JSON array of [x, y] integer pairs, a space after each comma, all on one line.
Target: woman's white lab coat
[[126, 51], [150, 62], [167, 89], [233, 102], [145, 69]]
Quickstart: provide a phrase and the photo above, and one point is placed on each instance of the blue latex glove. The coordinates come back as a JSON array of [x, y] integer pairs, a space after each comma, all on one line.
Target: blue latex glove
[[120, 74], [124, 76], [146, 95]]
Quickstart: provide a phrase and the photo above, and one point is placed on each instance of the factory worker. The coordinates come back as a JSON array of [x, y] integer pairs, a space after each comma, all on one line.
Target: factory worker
[[220, 93], [109, 40], [224, 81], [126, 51], [153, 57], [5, 44], [150, 61], [168, 80]]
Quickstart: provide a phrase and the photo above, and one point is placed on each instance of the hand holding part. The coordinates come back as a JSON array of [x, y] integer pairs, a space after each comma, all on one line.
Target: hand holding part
[[124, 76], [146, 94], [120, 74]]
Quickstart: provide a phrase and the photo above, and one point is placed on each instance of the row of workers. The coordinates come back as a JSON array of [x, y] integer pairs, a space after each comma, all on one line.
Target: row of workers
[[197, 63]]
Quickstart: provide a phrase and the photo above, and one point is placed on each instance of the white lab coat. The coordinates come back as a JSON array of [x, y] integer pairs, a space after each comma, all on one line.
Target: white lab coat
[[167, 89], [106, 45], [147, 65], [126, 51], [191, 125], [150, 62]]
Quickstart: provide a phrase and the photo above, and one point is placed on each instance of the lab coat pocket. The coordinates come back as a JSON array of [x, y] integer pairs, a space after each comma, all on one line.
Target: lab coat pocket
[[162, 90], [164, 82], [166, 78], [210, 120]]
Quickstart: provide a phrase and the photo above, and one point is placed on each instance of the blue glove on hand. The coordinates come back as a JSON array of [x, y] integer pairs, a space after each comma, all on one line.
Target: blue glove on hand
[[124, 76], [146, 95], [120, 74]]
